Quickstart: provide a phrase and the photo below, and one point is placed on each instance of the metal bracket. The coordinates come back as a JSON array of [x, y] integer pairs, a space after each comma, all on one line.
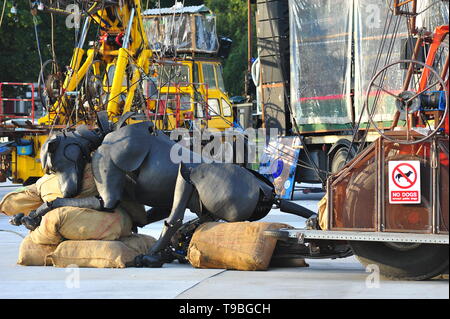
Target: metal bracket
[[301, 235]]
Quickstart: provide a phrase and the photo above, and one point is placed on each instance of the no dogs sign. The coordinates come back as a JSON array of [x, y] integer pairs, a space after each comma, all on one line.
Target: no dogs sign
[[404, 182]]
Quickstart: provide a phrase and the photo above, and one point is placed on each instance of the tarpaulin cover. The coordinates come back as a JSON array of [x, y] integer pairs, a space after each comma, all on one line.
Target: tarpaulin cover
[[183, 32], [372, 18], [325, 69], [435, 16], [320, 64]]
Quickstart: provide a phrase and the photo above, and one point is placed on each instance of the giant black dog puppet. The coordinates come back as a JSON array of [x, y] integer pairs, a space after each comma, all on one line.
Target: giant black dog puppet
[[133, 163]]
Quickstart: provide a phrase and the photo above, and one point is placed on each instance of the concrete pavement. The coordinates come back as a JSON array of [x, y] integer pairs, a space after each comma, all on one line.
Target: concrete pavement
[[344, 278]]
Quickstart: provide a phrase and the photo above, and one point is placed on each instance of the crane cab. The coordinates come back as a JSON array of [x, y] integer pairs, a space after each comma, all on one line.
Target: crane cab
[[189, 91]]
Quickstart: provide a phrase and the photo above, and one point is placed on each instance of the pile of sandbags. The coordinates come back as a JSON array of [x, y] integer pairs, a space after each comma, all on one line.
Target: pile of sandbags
[[85, 253], [76, 236]]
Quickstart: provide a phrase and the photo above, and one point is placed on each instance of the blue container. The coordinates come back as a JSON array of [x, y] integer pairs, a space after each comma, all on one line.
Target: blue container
[[25, 148]]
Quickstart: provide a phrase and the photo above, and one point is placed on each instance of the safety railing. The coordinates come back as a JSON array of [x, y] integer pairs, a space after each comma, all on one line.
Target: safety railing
[[158, 108], [14, 115]]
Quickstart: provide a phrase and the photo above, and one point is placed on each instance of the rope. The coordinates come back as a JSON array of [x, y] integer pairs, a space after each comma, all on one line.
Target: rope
[[13, 232], [3, 12], [198, 283]]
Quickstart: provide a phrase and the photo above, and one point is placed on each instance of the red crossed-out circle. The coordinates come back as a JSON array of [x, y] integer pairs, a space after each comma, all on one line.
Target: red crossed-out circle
[[397, 169]]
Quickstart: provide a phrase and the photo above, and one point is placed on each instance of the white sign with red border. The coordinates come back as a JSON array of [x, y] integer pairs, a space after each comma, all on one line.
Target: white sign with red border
[[404, 182]]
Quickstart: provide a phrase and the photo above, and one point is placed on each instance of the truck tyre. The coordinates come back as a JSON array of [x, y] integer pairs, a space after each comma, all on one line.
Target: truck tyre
[[403, 261], [339, 157]]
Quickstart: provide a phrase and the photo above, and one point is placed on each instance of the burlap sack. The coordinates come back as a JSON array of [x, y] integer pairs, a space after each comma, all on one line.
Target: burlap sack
[[141, 244], [323, 213], [240, 246], [23, 200], [101, 254], [31, 254], [48, 186], [75, 223]]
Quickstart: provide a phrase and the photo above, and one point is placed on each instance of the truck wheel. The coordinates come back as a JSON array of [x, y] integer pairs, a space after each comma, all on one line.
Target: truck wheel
[[403, 261], [338, 160]]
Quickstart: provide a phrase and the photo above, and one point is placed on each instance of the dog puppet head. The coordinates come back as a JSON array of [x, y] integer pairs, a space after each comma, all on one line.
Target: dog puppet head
[[66, 155]]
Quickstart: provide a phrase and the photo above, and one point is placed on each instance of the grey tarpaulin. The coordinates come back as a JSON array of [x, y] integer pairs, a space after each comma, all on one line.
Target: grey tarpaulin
[[190, 29], [320, 33], [324, 68]]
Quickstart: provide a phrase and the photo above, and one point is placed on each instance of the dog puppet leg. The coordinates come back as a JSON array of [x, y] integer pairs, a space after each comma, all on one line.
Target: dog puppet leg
[[33, 220], [183, 193]]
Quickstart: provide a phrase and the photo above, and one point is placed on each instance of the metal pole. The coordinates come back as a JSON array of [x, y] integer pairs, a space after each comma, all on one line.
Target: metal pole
[[83, 33], [32, 102], [434, 163], [126, 39], [396, 8], [444, 71], [249, 42], [412, 25]]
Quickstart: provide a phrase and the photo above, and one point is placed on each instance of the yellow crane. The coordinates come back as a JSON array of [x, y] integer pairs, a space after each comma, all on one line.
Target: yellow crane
[[115, 74]]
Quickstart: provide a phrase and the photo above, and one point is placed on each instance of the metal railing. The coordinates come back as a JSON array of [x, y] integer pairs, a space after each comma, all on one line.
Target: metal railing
[[4, 115]]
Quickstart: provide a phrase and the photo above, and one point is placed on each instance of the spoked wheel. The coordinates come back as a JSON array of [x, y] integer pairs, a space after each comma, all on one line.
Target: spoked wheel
[[96, 86], [386, 102], [50, 84], [403, 261]]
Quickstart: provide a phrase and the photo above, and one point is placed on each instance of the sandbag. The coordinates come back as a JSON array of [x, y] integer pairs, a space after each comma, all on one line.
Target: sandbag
[[101, 254], [323, 213], [74, 223], [31, 254], [49, 190], [239, 246], [23, 200]]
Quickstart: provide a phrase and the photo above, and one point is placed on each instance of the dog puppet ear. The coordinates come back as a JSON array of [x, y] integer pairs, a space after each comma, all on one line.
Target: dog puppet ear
[[129, 146], [49, 147]]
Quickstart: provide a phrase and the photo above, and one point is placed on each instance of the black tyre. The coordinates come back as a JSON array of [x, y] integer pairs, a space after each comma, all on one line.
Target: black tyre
[[339, 159], [403, 261]]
